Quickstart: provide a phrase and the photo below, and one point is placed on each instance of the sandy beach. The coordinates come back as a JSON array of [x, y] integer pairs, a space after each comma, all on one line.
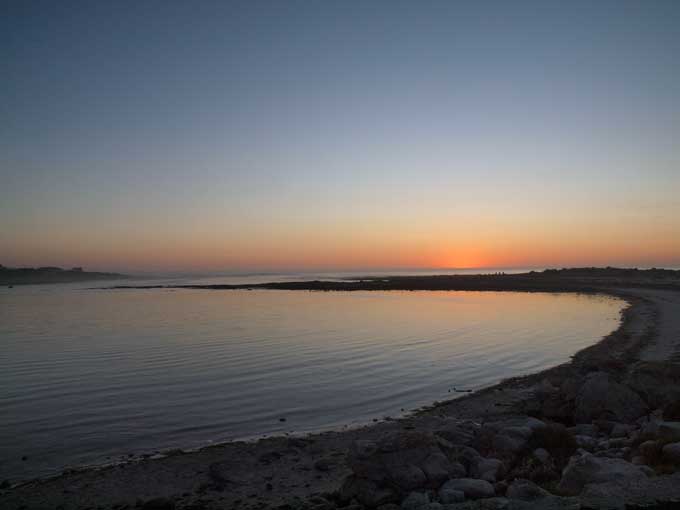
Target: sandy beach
[[329, 470]]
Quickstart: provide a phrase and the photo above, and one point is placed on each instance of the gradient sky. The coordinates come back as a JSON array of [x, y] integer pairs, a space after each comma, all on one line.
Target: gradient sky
[[338, 135]]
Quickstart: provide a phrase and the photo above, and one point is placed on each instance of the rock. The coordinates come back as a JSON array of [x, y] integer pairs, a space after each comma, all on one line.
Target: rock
[[657, 382], [542, 455], [363, 449], [601, 396], [587, 468], [611, 453], [448, 495], [394, 458], [464, 455], [509, 437], [458, 470], [324, 465], [584, 429], [649, 430], [620, 430], [365, 492], [518, 422], [500, 487], [586, 442], [525, 490], [523, 431], [655, 492], [649, 449], [487, 469], [638, 460], [671, 452], [545, 389], [471, 487], [406, 476], [455, 432], [547, 503], [159, 504], [508, 445], [415, 500], [480, 504], [534, 423], [671, 411], [438, 468], [669, 431]]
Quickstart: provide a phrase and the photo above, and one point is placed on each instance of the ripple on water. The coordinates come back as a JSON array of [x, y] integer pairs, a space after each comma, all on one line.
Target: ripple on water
[[87, 374]]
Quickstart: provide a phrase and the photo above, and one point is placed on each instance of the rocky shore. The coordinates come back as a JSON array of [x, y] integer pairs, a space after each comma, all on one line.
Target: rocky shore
[[602, 431]]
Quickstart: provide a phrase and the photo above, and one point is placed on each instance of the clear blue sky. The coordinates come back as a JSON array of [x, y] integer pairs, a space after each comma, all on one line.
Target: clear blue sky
[[206, 135]]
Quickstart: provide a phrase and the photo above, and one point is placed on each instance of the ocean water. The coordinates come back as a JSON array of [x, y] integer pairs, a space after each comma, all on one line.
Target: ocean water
[[88, 376]]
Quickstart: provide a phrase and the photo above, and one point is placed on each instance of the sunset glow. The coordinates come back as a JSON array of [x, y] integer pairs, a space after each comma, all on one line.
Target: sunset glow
[[253, 136]]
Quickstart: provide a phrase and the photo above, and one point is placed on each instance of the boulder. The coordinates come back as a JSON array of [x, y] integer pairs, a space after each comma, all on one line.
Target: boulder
[[472, 488], [407, 460], [649, 449], [621, 430], [541, 455], [463, 455], [508, 445], [649, 430], [584, 429], [585, 442], [671, 453], [480, 504], [159, 504], [525, 490], [586, 468], [415, 500], [456, 432], [669, 431], [437, 468], [366, 492], [654, 492], [406, 476], [657, 382], [487, 469], [448, 495], [601, 396]]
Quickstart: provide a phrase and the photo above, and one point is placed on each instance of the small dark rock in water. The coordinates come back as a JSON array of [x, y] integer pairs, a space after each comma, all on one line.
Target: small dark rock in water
[[159, 504], [24, 458], [282, 419], [5, 484]]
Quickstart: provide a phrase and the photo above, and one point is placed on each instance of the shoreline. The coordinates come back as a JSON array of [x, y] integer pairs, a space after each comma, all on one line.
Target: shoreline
[[367, 421], [317, 464]]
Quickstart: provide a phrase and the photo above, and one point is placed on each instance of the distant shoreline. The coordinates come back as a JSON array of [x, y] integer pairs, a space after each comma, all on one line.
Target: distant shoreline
[[49, 275], [550, 280]]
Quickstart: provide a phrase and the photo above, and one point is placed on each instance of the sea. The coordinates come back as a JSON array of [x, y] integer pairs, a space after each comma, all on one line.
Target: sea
[[91, 375]]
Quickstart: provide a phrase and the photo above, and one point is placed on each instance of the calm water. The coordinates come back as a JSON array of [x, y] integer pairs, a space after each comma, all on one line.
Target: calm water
[[88, 376]]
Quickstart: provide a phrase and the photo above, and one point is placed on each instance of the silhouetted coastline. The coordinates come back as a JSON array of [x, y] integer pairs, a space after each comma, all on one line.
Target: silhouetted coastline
[[44, 275], [587, 279]]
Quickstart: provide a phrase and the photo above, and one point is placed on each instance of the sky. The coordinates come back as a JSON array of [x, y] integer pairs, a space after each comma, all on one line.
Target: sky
[[238, 136]]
